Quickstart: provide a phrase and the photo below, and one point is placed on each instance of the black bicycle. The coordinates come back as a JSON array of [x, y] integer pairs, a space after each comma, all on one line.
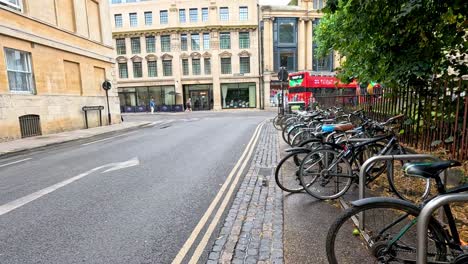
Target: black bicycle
[[383, 230]]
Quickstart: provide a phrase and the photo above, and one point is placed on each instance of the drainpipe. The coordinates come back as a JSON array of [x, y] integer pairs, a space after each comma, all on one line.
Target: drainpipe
[[260, 56]]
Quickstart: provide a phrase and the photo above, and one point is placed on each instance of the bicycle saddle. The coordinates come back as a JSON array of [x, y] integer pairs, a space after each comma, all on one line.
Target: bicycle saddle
[[429, 169]]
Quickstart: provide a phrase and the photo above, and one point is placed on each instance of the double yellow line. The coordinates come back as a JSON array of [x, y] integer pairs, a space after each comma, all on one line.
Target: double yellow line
[[201, 224]]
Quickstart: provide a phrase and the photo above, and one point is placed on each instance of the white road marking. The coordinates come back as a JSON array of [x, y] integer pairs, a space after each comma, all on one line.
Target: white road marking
[[14, 162], [209, 231], [189, 242], [8, 207], [104, 139]]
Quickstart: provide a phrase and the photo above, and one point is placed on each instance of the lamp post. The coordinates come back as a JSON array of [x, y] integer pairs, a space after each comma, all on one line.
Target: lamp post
[[282, 77], [106, 85]]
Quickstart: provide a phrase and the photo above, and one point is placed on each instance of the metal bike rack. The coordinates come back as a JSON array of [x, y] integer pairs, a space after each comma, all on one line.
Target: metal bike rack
[[425, 216], [369, 162]]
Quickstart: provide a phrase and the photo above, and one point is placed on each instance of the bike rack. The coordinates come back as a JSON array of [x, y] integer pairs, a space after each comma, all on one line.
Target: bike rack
[[425, 216], [369, 162]]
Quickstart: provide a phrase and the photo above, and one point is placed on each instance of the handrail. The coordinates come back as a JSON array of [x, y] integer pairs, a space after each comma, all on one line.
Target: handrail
[[425, 216]]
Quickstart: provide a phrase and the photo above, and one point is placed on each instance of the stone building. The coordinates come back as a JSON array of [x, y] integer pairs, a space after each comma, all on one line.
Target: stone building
[[287, 41], [54, 55], [174, 50]]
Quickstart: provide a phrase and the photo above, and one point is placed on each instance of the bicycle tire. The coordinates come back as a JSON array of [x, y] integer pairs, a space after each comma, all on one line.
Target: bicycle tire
[[357, 245], [316, 165], [283, 170], [276, 122]]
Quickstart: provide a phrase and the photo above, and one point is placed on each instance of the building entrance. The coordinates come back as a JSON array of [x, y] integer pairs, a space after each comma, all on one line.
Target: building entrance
[[200, 100]]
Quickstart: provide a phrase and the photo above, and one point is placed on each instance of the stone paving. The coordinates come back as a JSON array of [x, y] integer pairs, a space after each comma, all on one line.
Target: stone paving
[[253, 229]]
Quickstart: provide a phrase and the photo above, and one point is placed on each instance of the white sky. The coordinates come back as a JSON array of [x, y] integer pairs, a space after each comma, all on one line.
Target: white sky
[[274, 2]]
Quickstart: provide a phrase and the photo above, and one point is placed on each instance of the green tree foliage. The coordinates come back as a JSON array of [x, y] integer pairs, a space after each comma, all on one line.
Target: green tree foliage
[[293, 3], [396, 42]]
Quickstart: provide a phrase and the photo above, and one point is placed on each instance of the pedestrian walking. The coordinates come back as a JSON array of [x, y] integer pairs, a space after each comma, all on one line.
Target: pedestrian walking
[[188, 105], [152, 105]]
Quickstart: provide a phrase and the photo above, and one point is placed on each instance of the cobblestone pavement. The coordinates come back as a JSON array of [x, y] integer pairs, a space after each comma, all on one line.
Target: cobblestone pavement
[[253, 229]]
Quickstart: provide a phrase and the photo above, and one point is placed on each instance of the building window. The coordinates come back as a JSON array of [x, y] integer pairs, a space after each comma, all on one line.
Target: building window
[[224, 13], [285, 43], [204, 14], [167, 67], [183, 42], [195, 39], [148, 18], [137, 70], [225, 40], [243, 13], [19, 70], [206, 41], [207, 62], [185, 68], [135, 44], [118, 20], [116, 1], [166, 43], [14, 4], [226, 66], [196, 67], [182, 18], [123, 71], [152, 69], [163, 19], [318, 4], [244, 64], [133, 19], [193, 12], [150, 44], [120, 46], [244, 40], [238, 95]]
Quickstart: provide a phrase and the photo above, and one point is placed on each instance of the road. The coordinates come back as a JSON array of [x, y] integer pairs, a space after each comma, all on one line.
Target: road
[[134, 197]]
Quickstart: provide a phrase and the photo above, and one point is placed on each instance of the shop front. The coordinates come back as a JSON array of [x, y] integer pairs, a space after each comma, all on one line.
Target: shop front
[[238, 95], [201, 95], [137, 99]]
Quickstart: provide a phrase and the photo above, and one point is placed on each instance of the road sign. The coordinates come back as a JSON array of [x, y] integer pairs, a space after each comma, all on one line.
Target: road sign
[[106, 85]]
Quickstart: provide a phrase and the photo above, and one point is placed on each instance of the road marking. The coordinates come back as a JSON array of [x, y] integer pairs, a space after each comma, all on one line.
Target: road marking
[[189, 242], [14, 162], [209, 231], [104, 139], [8, 207]]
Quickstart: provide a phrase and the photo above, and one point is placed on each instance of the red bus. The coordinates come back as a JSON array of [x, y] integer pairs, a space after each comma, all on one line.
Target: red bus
[[307, 87]]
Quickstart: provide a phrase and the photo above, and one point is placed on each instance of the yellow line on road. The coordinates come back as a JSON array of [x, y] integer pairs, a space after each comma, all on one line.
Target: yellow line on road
[[201, 246], [188, 244]]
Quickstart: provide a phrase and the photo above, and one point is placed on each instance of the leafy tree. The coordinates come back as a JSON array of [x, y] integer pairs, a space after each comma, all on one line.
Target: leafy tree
[[396, 42], [292, 3]]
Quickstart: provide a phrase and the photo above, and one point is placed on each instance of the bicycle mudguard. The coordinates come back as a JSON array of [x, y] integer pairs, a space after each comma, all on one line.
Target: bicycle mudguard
[[370, 200], [298, 149]]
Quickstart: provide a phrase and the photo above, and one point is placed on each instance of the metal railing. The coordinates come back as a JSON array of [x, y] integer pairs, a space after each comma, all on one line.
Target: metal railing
[[30, 126], [425, 216]]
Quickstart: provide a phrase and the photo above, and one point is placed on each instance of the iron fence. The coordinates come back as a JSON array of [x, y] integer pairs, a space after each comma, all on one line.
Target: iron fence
[[436, 117], [30, 126]]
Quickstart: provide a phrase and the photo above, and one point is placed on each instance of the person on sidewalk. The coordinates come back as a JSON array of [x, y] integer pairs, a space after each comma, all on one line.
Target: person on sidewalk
[[188, 105], [152, 105]]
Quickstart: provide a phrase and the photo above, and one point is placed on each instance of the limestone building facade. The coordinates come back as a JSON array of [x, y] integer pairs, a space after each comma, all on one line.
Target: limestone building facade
[[54, 55], [287, 41], [171, 51]]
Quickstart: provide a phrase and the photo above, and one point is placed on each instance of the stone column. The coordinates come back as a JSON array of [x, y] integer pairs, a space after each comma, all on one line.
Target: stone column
[[309, 36], [268, 44], [301, 45], [216, 70]]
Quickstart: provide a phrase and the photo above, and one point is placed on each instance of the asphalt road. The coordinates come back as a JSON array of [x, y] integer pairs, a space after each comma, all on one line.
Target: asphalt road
[[141, 211]]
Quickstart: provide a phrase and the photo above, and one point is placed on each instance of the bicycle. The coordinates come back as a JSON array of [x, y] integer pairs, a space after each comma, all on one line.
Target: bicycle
[[387, 227]]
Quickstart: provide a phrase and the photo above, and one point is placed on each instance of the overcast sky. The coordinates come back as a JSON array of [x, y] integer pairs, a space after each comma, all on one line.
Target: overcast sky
[[274, 2]]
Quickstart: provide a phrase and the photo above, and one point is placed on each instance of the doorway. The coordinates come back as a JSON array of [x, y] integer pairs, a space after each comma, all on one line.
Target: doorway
[[200, 100]]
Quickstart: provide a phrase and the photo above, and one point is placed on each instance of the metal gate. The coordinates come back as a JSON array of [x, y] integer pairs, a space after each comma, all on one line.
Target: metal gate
[[30, 126]]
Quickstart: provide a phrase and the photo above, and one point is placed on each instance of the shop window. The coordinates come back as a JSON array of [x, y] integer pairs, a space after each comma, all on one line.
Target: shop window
[[239, 95]]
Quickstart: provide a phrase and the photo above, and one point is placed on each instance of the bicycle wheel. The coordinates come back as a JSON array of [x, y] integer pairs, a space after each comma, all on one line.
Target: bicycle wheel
[[325, 174], [294, 132], [409, 188], [287, 171], [378, 240], [277, 122]]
